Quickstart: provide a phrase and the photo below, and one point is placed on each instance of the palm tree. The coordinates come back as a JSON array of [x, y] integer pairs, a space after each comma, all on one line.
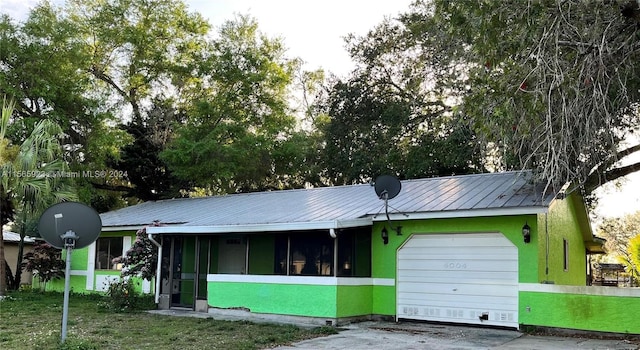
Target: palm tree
[[7, 109], [39, 184]]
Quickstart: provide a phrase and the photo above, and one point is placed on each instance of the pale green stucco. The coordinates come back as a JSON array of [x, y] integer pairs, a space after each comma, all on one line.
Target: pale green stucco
[[561, 223], [285, 299], [354, 301], [579, 311], [77, 284]]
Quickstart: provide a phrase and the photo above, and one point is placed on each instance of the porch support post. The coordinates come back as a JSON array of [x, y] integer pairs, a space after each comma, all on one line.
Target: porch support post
[[158, 268]]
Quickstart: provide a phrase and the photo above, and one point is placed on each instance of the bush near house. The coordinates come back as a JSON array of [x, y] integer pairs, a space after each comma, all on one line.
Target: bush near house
[[45, 263]]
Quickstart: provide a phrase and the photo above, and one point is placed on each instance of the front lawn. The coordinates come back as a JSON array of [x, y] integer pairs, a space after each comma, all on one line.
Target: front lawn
[[31, 320]]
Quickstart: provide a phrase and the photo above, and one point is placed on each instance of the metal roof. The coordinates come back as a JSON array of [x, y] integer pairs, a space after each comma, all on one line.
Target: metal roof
[[508, 193], [9, 236]]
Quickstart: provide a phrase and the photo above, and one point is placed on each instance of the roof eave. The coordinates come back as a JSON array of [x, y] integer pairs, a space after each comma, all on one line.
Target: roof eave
[[451, 214], [266, 227], [122, 228]]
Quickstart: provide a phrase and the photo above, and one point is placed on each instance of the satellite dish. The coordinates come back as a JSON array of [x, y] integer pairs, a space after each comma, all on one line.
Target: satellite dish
[[387, 186], [76, 217]]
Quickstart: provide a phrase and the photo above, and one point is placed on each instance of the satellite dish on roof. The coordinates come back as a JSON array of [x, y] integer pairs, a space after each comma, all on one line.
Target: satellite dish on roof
[[76, 217], [387, 186]]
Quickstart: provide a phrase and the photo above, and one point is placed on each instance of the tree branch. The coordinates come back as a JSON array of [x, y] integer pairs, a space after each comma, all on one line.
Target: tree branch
[[115, 188], [597, 179]]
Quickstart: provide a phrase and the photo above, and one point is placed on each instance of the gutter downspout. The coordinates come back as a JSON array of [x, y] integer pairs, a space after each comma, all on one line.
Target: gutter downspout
[[158, 269]]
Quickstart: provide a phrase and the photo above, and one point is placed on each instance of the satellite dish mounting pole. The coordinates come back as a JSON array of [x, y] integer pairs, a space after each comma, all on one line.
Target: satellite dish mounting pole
[[69, 239], [81, 227]]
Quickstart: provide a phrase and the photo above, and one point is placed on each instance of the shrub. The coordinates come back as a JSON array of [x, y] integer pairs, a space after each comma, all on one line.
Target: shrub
[[45, 263], [122, 296]]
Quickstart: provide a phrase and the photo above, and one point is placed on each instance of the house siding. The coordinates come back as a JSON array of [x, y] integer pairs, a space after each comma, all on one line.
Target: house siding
[[561, 223], [603, 309], [384, 264], [82, 269], [285, 299]]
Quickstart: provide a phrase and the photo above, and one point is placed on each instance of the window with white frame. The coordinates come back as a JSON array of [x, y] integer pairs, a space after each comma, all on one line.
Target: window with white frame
[[107, 249]]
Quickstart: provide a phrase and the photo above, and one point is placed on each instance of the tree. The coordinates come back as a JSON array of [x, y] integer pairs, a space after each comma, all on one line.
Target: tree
[[31, 176], [621, 236], [632, 263], [45, 262], [43, 71], [239, 118], [6, 206], [550, 85], [392, 115]]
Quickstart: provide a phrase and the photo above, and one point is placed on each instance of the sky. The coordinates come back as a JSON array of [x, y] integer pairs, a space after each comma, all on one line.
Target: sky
[[314, 32]]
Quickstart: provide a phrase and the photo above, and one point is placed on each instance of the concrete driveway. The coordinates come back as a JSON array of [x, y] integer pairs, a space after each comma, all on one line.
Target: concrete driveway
[[402, 336]]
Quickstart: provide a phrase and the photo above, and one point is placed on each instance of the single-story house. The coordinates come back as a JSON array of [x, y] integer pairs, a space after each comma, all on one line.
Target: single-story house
[[485, 249], [11, 242]]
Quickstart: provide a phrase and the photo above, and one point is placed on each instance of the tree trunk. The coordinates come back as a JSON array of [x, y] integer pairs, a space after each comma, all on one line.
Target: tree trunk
[[3, 271], [18, 276]]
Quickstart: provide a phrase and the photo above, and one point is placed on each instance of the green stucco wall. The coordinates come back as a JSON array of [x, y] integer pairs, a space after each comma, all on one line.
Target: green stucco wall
[[285, 299], [561, 224], [77, 284], [354, 301], [80, 263], [384, 300], [579, 311], [293, 299], [384, 256]]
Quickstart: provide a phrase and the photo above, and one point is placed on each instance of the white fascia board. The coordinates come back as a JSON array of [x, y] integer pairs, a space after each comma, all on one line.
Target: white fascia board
[[248, 228], [453, 214], [121, 228]]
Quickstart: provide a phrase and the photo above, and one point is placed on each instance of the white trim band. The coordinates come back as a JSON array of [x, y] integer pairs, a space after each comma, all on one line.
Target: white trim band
[[79, 273], [302, 280]]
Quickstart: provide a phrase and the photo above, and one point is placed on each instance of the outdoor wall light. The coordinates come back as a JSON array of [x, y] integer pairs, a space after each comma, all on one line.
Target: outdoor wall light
[[385, 235], [526, 233]]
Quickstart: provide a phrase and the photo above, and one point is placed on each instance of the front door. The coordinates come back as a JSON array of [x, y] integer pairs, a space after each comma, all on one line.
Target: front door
[[183, 273]]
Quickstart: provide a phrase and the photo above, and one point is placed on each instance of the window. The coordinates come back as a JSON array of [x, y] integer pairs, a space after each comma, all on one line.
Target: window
[[565, 245], [108, 248], [354, 252], [311, 254]]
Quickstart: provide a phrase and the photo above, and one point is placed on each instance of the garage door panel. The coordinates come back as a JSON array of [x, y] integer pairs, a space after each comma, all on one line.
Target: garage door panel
[[454, 266], [470, 280], [444, 252], [463, 278], [501, 302], [463, 240], [459, 315], [452, 289], [439, 276], [496, 308]]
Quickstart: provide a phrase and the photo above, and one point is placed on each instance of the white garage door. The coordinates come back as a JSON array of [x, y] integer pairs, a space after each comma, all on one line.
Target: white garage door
[[462, 278]]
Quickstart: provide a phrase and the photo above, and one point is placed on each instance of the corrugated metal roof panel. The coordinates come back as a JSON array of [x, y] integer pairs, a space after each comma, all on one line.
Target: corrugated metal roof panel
[[9, 236], [444, 194]]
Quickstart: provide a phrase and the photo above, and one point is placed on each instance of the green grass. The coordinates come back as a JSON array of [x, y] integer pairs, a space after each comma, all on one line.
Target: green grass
[[32, 320]]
